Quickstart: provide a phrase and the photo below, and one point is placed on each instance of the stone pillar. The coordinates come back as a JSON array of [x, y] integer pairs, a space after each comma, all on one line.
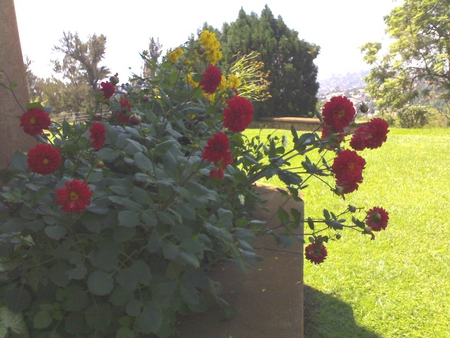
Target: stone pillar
[[12, 137]]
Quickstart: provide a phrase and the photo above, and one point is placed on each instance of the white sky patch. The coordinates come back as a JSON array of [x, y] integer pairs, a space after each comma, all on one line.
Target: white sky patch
[[338, 27]]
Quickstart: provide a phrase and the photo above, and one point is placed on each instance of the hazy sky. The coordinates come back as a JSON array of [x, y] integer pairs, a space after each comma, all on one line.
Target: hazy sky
[[339, 27]]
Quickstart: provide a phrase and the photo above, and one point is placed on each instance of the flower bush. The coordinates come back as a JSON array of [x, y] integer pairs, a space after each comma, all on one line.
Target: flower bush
[[109, 226]]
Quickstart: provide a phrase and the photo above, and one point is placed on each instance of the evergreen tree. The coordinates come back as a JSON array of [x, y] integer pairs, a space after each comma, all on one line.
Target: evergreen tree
[[289, 61]]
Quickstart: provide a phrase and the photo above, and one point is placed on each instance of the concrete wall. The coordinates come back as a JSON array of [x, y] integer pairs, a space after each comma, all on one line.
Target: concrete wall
[[12, 137]]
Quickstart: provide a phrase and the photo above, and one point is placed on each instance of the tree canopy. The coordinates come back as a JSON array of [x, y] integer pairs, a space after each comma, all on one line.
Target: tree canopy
[[289, 61], [78, 75], [416, 65]]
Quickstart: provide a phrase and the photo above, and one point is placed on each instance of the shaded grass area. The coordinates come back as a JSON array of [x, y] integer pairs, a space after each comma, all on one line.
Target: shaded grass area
[[397, 285]]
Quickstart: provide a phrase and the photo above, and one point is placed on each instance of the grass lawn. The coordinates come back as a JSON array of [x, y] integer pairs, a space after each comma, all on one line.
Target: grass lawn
[[399, 284]]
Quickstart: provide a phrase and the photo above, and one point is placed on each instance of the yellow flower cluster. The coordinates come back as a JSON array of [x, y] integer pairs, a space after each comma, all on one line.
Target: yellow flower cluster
[[174, 55], [233, 81], [191, 81], [212, 46]]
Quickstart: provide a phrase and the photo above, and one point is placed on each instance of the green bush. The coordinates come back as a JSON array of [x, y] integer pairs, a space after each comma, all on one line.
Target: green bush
[[414, 116]]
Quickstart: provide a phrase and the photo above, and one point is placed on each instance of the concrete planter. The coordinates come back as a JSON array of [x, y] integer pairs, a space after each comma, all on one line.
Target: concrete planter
[[269, 303]]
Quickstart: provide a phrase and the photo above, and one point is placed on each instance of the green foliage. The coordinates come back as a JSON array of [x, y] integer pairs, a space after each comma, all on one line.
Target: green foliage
[[414, 116], [157, 220], [78, 75], [287, 60], [415, 67]]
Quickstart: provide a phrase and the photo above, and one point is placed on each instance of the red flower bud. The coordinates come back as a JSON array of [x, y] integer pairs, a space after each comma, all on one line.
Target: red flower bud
[[135, 120]]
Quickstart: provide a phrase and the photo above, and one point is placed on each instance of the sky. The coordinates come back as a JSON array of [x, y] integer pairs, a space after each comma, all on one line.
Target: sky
[[339, 27]]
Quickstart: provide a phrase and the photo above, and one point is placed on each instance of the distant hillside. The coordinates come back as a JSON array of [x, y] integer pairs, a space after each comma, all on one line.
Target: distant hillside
[[343, 82]]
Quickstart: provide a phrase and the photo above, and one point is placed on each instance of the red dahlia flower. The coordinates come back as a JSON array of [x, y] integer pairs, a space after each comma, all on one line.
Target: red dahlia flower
[[348, 167], [316, 252], [121, 117], [216, 148], [43, 159], [238, 115], [98, 135], [371, 136], [338, 113], [34, 120], [107, 89], [75, 197], [125, 104], [211, 79], [221, 166], [377, 218]]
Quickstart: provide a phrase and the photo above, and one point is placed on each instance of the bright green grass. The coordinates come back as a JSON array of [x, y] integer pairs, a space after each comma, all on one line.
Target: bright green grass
[[399, 284]]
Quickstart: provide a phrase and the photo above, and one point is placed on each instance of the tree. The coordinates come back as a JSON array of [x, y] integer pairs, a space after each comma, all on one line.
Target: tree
[[416, 66], [80, 70], [288, 60]]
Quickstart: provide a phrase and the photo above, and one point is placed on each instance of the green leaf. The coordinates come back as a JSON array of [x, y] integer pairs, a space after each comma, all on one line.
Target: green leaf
[[142, 196], [311, 223], [99, 316], [129, 219], [17, 299], [55, 231], [190, 258], [77, 273], [245, 234], [142, 272], [57, 274], [12, 323], [127, 278], [122, 234], [100, 283], [77, 300], [42, 319], [126, 202], [107, 154], [133, 308], [120, 296], [171, 251], [149, 218], [163, 147], [154, 243], [296, 215], [284, 239], [73, 322], [143, 162], [150, 319], [326, 214], [185, 210], [125, 332], [19, 161], [107, 260], [282, 215], [189, 292], [111, 133]]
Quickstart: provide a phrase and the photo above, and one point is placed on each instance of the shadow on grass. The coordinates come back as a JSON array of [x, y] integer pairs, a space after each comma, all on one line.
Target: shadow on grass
[[328, 317]]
